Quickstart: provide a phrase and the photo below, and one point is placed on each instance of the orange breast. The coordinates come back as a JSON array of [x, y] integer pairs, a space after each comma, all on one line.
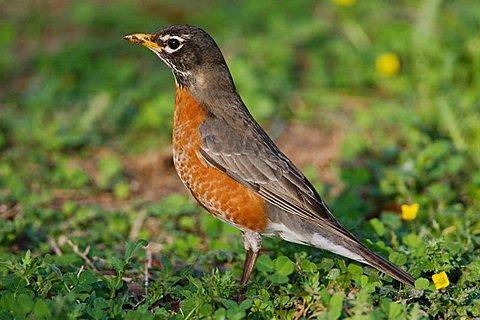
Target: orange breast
[[219, 194]]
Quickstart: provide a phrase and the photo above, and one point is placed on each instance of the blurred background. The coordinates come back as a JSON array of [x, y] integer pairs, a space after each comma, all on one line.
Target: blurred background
[[378, 102]]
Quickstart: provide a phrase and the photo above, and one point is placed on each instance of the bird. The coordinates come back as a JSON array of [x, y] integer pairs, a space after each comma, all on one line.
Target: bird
[[233, 168]]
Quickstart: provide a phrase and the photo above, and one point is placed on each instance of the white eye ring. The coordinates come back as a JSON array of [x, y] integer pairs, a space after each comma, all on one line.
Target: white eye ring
[[174, 43]]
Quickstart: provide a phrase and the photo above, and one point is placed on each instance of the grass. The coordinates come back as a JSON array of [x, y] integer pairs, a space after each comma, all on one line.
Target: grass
[[80, 108]]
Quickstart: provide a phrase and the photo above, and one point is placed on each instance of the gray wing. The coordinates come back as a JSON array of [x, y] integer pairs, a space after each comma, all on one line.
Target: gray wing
[[250, 157]]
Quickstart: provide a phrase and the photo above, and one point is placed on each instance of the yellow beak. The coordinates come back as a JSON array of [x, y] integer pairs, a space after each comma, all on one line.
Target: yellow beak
[[143, 39]]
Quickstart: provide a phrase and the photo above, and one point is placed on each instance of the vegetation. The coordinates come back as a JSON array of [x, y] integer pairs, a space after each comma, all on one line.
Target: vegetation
[[81, 111]]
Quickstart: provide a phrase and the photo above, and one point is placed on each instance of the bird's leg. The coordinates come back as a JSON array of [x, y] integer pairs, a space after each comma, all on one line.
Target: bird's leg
[[249, 264], [252, 242]]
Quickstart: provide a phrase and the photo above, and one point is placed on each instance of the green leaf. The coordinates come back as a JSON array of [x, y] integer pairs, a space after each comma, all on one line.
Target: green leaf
[[117, 264], [335, 306], [397, 258], [187, 222], [355, 269], [327, 264], [333, 274], [392, 220], [167, 265], [308, 266], [264, 263], [139, 314], [206, 310], [284, 266], [378, 226], [7, 300], [363, 280], [121, 190], [27, 258], [235, 314], [40, 309], [229, 304], [189, 305], [220, 314], [394, 310], [278, 278], [246, 304], [23, 303], [131, 247], [85, 281], [422, 283], [412, 240]]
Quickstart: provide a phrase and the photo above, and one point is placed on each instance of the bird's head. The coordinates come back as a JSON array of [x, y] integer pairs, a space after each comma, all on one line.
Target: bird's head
[[189, 51]]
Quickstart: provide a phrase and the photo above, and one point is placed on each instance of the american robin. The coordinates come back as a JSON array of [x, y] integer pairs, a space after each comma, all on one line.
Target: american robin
[[232, 167]]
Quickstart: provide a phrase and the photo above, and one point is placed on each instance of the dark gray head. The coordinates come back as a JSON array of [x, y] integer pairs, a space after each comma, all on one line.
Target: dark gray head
[[190, 52]]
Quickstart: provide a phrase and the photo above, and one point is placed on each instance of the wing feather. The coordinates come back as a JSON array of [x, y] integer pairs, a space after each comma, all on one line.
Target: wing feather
[[261, 166]]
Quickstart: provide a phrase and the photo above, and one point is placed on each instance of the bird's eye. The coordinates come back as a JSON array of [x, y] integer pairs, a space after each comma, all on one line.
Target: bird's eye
[[173, 43]]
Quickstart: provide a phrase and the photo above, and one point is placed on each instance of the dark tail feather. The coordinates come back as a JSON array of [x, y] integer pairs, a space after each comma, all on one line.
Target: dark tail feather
[[387, 267]]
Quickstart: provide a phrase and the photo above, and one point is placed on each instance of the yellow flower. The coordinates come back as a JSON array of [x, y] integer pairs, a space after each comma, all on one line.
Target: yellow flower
[[440, 280], [409, 211], [387, 64], [345, 3]]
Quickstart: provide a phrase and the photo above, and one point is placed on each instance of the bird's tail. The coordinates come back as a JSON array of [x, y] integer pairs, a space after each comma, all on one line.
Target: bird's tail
[[382, 264], [332, 237]]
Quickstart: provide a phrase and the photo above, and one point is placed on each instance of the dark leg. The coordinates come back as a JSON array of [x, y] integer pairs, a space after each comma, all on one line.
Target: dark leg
[[252, 242], [249, 264]]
